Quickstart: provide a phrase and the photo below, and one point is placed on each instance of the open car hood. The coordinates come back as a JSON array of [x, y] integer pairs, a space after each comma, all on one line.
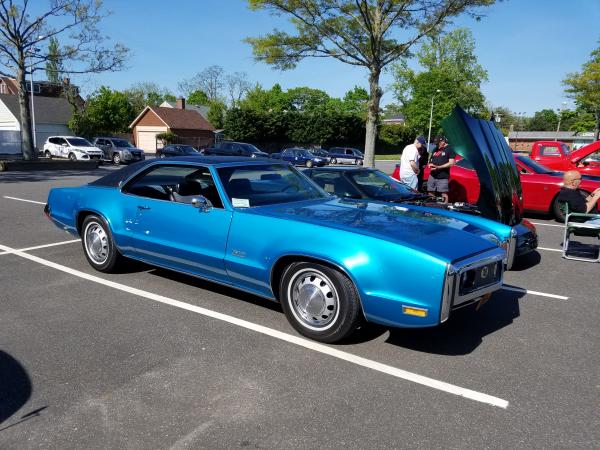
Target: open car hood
[[484, 146], [581, 153]]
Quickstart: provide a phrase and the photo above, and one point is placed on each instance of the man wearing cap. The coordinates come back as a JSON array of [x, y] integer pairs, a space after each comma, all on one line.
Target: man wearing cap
[[409, 162], [439, 168]]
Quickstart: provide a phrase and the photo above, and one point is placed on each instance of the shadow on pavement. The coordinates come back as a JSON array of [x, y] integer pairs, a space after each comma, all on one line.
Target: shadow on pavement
[[47, 175], [465, 329], [526, 261], [15, 386]]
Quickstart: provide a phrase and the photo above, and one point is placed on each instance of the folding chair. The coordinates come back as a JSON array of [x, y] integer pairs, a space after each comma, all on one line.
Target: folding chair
[[577, 224]]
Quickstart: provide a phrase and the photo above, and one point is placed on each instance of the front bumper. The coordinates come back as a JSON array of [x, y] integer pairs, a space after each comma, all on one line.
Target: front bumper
[[527, 239]]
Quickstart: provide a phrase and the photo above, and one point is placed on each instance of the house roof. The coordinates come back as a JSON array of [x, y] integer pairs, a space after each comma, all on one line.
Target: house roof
[[47, 109], [181, 119], [11, 84], [200, 109]]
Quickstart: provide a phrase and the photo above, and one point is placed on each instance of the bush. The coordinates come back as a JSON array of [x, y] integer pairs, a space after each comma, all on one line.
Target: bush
[[393, 138], [167, 137]]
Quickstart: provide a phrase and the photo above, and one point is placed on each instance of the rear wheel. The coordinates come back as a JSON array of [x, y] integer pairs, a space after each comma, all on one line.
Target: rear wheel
[[98, 244], [72, 157], [320, 302], [333, 161], [116, 158], [359, 162], [309, 163], [47, 154], [162, 155]]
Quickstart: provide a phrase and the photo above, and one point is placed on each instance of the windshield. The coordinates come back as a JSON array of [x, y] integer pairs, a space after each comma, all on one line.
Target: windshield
[[121, 143], [379, 186], [252, 148], [78, 142], [533, 165], [318, 151], [189, 150], [259, 185], [305, 153]]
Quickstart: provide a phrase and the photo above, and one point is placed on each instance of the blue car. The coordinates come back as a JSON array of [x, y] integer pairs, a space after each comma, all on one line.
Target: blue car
[[346, 155], [263, 227], [301, 157]]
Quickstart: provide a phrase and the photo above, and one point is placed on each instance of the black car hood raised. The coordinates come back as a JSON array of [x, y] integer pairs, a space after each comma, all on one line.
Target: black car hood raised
[[484, 146]]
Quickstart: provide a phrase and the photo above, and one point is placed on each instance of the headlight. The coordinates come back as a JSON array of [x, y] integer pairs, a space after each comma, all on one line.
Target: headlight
[[253, 155], [491, 238]]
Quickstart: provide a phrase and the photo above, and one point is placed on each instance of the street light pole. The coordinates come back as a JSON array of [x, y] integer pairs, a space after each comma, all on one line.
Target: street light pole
[[32, 103], [437, 91], [560, 111]]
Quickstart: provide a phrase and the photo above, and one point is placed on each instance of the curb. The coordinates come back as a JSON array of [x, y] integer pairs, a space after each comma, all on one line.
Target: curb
[[9, 165]]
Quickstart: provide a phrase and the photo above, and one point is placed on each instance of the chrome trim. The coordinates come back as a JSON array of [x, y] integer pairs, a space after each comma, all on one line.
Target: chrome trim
[[447, 290], [511, 250]]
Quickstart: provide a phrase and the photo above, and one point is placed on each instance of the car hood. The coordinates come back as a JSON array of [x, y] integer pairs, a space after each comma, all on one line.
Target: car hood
[[484, 146], [87, 149], [131, 149], [446, 238], [579, 154]]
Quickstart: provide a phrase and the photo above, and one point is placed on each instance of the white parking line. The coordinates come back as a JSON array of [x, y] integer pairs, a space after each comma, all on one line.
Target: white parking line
[[527, 291], [40, 246], [550, 249], [379, 367], [548, 224], [24, 200]]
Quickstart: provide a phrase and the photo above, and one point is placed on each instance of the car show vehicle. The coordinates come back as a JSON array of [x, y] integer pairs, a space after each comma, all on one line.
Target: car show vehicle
[[263, 227], [557, 155], [118, 150], [72, 147], [177, 150], [300, 157], [484, 155], [228, 148], [362, 183], [345, 155]]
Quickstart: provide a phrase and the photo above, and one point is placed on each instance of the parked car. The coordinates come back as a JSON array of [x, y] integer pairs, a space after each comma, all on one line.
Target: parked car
[[177, 150], [540, 185], [360, 183], [227, 148], [556, 155], [346, 155], [118, 150], [72, 147], [392, 264], [300, 156], [320, 152]]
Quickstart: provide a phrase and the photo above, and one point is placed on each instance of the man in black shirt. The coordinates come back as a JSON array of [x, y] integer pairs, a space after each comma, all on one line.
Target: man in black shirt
[[439, 168], [576, 199]]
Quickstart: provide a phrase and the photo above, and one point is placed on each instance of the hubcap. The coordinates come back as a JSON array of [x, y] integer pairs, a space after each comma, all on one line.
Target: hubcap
[[96, 243], [314, 299]]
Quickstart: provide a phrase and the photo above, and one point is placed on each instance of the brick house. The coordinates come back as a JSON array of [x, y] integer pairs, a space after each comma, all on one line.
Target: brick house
[[190, 127]]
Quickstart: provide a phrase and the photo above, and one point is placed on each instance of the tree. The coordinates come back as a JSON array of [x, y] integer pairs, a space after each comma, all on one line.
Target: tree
[[21, 34], [451, 68], [216, 114], [211, 81], [356, 101], [237, 86], [106, 112], [54, 65], [363, 33], [198, 98], [544, 120], [584, 88], [145, 94]]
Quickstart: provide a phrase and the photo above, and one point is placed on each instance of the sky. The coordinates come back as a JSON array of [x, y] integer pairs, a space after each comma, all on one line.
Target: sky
[[527, 47]]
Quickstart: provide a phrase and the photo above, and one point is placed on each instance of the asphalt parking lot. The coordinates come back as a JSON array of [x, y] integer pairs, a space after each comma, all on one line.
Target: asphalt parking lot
[[147, 358]]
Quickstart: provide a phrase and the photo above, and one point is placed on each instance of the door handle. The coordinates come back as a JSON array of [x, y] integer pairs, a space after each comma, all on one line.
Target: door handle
[[142, 207]]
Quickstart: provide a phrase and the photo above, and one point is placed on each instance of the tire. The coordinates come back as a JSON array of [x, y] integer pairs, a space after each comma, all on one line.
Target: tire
[[72, 157], [309, 163], [98, 245], [116, 159], [162, 156], [555, 210], [321, 303], [47, 154], [333, 161], [359, 162]]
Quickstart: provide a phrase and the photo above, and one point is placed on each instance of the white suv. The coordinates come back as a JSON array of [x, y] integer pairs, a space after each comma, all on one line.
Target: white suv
[[72, 147]]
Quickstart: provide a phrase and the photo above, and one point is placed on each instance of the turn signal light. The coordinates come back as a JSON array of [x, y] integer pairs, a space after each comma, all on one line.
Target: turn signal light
[[419, 312]]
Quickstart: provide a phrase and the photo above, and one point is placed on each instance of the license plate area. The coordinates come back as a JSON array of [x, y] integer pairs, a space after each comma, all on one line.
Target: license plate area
[[479, 277]]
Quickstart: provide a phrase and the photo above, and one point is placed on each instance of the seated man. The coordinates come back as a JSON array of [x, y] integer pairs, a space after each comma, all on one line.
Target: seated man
[[577, 201]]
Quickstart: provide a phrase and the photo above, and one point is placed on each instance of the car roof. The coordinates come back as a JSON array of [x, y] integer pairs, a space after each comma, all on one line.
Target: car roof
[[342, 169]]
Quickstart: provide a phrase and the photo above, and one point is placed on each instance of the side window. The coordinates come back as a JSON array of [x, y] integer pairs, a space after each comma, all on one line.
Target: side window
[[62, 141], [180, 184], [549, 151], [53, 140], [326, 180], [349, 152], [107, 142]]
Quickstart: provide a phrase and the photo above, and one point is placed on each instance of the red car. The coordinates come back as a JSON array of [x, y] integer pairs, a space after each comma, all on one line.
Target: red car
[[557, 156], [540, 184]]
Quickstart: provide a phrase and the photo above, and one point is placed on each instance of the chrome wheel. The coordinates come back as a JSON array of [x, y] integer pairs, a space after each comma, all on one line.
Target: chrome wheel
[[96, 243], [72, 157], [313, 299], [116, 158]]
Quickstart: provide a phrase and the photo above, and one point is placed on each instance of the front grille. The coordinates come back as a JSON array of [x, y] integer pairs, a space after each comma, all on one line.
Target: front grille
[[94, 156], [480, 277]]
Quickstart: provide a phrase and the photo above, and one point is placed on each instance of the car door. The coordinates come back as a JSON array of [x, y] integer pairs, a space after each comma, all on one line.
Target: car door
[[538, 189], [177, 234], [63, 148]]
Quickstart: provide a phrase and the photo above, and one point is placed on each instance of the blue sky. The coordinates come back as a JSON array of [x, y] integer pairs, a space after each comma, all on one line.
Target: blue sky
[[527, 46]]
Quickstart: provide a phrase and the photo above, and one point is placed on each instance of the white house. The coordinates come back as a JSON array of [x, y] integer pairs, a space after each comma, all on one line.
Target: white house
[[51, 117]]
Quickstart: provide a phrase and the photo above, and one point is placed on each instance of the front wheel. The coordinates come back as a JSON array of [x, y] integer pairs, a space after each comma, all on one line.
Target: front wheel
[[162, 156], [320, 302], [72, 157], [359, 162], [98, 244], [116, 159], [309, 163], [47, 154], [333, 161]]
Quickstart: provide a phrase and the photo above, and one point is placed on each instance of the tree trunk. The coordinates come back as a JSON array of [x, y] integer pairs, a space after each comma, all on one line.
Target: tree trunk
[[372, 116], [597, 127], [25, 117]]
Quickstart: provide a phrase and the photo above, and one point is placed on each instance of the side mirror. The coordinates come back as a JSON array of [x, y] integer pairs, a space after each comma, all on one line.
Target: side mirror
[[202, 203]]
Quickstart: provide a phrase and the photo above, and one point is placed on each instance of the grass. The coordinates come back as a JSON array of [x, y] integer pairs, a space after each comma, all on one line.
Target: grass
[[395, 157]]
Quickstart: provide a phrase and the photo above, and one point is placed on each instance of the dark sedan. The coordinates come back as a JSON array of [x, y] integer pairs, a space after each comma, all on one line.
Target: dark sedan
[[177, 150], [301, 157]]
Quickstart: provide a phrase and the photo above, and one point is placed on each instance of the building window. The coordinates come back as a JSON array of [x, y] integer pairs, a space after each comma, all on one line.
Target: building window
[[36, 88]]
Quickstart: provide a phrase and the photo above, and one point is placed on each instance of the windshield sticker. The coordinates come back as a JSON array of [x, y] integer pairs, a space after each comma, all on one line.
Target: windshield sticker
[[240, 202]]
